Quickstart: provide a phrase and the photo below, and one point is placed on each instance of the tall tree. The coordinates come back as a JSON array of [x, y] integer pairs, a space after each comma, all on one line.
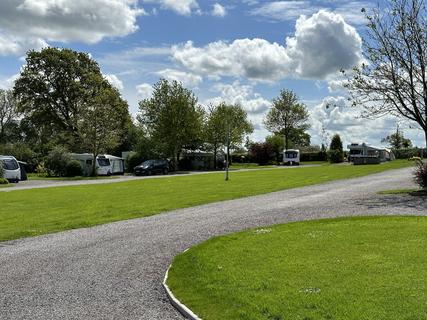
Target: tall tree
[[52, 89], [172, 118], [8, 112], [277, 143], [226, 125], [394, 78], [287, 117], [336, 152], [397, 140], [104, 119]]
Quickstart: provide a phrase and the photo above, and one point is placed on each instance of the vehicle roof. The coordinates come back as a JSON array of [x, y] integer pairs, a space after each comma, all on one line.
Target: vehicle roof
[[7, 157]]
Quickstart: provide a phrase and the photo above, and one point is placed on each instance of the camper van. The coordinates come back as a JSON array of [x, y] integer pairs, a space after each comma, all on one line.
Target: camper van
[[12, 171], [291, 157], [103, 165]]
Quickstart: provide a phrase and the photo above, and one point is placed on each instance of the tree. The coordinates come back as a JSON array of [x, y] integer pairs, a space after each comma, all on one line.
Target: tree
[[288, 117], [394, 79], [172, 118], [397, 140], [104, 119], [261, 152], [8, 112], [226, 125], [52, 91], [277, 143], [336, 153]]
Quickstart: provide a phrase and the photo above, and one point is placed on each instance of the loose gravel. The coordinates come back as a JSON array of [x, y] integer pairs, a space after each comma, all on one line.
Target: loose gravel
[[115, 271]]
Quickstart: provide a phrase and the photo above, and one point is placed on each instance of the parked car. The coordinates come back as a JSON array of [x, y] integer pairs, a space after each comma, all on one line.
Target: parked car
[[12, 171], [150, 167]]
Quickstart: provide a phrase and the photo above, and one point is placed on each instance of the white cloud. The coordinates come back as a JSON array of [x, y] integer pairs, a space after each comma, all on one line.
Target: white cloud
[[236, 93], [181, 7], [218, 10], [8, 82], [114, 81], [350, 10], [322, 45], [30, 23], [145, 90], [187, 79]]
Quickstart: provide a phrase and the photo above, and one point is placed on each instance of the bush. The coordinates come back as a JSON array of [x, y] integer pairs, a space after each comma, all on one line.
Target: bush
[[409, 153], [73, 169], [420, 174], [132, 161], [3, 181], [41, 170], [261, 153], [56, 162], [313, 156], [1, 170], [335, 156]]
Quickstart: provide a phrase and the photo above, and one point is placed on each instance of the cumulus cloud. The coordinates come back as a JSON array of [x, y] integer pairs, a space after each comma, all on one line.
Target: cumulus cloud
[[322, 45], [181, 7], [114, 81], [145, 90], [8, 82], [244, 95], [218, 10], [187, 79], [33, 22]]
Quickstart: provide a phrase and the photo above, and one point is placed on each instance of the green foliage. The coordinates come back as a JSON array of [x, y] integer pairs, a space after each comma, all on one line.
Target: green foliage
[[3, 181], [20, 151], [73, 169], [336, 153], [133, 160], [261, 152], [1, 170], [420, 174], [172, 118], [56, 161], [55, 209], [289, 118], [348, 268], [8, 114], [397, 140], [409, 153], [277, 143]]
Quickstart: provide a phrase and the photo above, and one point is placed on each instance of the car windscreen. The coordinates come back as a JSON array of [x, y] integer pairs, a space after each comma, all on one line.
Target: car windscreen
[[103, 162], [147, 163], [10, 164], [291, 154]]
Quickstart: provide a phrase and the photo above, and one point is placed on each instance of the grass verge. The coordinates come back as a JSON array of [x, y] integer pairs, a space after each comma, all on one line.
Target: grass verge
[[34, 176], [25, 213], [357, 268]]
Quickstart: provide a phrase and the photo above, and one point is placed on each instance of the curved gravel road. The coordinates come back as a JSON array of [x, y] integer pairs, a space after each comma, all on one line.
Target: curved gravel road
[[115, 271]]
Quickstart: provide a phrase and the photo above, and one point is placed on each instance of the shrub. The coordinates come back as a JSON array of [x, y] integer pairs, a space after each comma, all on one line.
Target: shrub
[[261, 152], [1, 170], [336, 153], [313, 156], [3, 181], [420, 174], [41, 170], [73, 169], [409, 153], [132, 161], [56, 162]]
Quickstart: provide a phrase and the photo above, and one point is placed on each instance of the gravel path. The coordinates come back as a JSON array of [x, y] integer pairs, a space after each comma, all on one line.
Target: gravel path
[[115, 271]]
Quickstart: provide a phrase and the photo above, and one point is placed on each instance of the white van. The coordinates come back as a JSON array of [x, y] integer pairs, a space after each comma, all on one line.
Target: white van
[[291, 157], [12, 171]]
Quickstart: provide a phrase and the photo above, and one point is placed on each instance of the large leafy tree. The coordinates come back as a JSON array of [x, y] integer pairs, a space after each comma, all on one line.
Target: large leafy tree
[[394, 78], [226, 125], [8, 113], [104, 119], [53, 89], [172, 118], [289, 118]]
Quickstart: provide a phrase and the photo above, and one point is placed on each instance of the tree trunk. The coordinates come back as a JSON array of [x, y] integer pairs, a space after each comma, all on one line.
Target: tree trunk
[[94, 171], [215, 153], [425, 133]]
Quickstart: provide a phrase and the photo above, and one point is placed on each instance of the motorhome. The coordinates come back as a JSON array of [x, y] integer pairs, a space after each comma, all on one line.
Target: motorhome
[[103, 165], [291, 157], [12, 171]]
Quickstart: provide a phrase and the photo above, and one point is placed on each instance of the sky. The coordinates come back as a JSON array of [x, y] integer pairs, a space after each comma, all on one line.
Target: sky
[[237, 51]]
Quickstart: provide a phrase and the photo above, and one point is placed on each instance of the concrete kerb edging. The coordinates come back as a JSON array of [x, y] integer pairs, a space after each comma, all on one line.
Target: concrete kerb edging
[[182, 308]]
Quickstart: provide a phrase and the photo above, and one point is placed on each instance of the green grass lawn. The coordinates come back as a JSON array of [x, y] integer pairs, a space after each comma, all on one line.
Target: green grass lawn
[[371, 268], [34, 176], [33, 212], [236, 166]]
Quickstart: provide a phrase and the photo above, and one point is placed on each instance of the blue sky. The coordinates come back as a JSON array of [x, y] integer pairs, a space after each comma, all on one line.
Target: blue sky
[[241, 51]]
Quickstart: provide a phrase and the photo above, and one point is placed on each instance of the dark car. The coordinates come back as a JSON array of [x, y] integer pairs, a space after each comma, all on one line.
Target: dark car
[[150, 167]]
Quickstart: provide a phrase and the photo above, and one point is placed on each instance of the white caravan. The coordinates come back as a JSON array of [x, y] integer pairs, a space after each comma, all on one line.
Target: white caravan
[[12, 171], [291, 157], [103, 165], [117, 164]]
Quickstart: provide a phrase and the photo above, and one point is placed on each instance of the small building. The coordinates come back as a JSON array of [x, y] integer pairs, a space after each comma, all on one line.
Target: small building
[[365, 154]]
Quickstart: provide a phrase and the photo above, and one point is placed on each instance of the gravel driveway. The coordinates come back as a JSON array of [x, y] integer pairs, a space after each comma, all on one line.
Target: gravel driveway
[[115, 271]]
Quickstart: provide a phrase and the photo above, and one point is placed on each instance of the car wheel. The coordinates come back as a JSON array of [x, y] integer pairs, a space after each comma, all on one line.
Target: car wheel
[[165, 171], [149, 173]]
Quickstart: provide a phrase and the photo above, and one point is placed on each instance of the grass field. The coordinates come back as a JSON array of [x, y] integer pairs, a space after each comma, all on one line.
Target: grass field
[[34, 176], [353, 269], [33, 212]]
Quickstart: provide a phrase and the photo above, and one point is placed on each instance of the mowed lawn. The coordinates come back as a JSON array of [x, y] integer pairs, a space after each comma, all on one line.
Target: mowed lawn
[[33, 212], [372, 268]]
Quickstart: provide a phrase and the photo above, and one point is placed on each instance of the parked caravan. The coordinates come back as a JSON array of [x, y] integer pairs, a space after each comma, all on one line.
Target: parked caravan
[[103, 165], [364, 154], [117, 164], [12, 171], [291, 157]]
